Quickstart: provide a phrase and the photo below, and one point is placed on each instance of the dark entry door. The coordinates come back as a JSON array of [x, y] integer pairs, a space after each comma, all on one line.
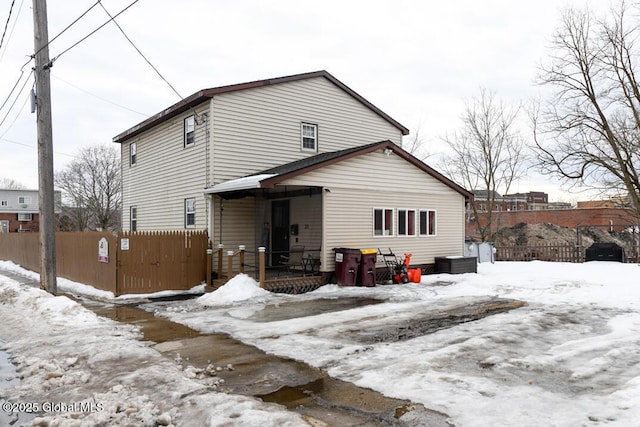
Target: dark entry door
[[279, 230]]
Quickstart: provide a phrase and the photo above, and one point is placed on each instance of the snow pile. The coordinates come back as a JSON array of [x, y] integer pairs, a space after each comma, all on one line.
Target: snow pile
[[240, 288]]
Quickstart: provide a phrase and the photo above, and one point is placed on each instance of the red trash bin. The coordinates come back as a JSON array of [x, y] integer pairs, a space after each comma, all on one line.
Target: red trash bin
[[367, 271], [347, 263]]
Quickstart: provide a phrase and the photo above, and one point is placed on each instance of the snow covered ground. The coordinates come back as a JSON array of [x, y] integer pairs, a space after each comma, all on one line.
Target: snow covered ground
[[569, 357], [78, 369]]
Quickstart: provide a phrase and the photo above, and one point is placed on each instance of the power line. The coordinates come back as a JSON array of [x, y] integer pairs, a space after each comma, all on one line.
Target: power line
[[92, 33], [17, 96], [139, 52], [13, 27], [99, 97], [7, 24], [17, 115], [33, 146]]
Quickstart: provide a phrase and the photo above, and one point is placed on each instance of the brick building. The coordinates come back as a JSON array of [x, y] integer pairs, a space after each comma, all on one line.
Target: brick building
[[19, 210]]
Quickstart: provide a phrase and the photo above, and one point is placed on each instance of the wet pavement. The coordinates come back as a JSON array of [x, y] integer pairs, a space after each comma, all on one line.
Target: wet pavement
[[247, 370]]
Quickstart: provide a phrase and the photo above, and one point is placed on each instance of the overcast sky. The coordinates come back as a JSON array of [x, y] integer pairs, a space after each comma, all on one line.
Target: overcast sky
[[416, 60]]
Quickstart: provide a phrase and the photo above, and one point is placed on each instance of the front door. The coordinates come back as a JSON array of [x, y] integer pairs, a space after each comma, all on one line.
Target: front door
[[279, 231], [4, 226]]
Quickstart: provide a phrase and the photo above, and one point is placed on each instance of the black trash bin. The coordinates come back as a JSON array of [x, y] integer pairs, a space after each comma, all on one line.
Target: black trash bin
[[605, 251], [367, 271], [347, 264]]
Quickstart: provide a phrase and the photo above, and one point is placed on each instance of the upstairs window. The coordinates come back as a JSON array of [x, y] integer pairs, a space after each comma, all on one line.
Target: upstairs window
[[133, 150], [133, 218], [309, 134], [382, 222], [190, 213], [189, 131], [24, 200], [4, 203]]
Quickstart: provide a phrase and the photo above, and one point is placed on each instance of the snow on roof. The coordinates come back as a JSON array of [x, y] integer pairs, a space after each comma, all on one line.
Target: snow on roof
[[244, 183]]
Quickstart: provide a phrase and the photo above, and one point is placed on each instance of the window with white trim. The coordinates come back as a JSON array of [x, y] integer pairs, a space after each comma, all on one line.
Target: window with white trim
[[406, 222], [133, 218], [190, 213], [427, 223], [309, 137], [4, 203], [25, 217], [189, 131], [133, 151], [382, 222], [24, 200]]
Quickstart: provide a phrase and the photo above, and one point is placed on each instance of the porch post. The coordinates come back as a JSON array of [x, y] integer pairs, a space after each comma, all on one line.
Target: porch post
[[229, 265], [261, 252], [220, 248], [209, 264], [241, 248]]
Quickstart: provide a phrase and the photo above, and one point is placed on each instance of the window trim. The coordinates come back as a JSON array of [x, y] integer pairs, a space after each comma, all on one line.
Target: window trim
[[133, 218], [431, 231], [4, 203], [188, 212], [383, 222], [133, 153], [189, 123], [302, 137]]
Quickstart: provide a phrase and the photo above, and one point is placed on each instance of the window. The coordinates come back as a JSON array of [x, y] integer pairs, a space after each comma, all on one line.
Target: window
[[190, 213], [382, 222], [4, 203], [189, 131], [427, 223], [133, 150], [25, 217], [309, 137], [406, 222], [133, 210], [24, 200]]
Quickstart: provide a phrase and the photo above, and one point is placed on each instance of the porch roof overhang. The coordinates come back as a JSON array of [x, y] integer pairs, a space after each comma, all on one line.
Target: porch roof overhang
[[239, 184]]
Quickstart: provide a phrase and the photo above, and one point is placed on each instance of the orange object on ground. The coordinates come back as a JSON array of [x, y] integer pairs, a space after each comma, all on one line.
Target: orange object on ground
[[414, 275]]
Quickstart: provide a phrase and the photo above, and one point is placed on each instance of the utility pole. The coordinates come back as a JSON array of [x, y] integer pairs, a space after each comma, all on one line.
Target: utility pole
[[45, 148]]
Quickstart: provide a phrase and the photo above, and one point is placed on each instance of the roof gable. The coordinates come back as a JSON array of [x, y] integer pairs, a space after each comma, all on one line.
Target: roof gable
[[206, 94], [273, 176]]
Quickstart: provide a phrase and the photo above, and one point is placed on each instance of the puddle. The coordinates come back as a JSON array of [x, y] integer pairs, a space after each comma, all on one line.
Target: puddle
[[434, 321], [297, 309]]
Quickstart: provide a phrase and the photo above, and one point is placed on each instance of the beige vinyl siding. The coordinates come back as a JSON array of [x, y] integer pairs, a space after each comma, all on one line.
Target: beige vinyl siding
[[357, 186], [256, 129], [238, 228], [306, 211], [165, 174]]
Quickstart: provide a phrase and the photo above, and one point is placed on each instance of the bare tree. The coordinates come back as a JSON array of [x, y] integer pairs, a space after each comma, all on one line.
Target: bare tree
[[91, 184], [11, 184], [588, 132], [415, 145], [487, 155]]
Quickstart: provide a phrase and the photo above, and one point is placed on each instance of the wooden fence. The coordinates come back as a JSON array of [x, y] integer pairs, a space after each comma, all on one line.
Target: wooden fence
[[551, 252], [124, 263]]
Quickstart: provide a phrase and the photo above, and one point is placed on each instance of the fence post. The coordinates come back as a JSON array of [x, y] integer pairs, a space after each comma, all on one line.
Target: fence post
[[229, 265], [261, 252], [242, 248], [220, 248]]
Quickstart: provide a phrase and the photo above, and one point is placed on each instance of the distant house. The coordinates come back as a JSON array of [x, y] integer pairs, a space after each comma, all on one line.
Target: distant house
[[298, 161], [19, 210]]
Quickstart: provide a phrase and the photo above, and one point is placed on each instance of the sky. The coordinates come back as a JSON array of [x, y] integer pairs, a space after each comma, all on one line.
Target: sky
[[418, 61], [566, 357]]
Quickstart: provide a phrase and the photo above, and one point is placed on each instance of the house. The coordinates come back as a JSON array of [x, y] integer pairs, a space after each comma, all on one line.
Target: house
[[299, 160], [19, 210]]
